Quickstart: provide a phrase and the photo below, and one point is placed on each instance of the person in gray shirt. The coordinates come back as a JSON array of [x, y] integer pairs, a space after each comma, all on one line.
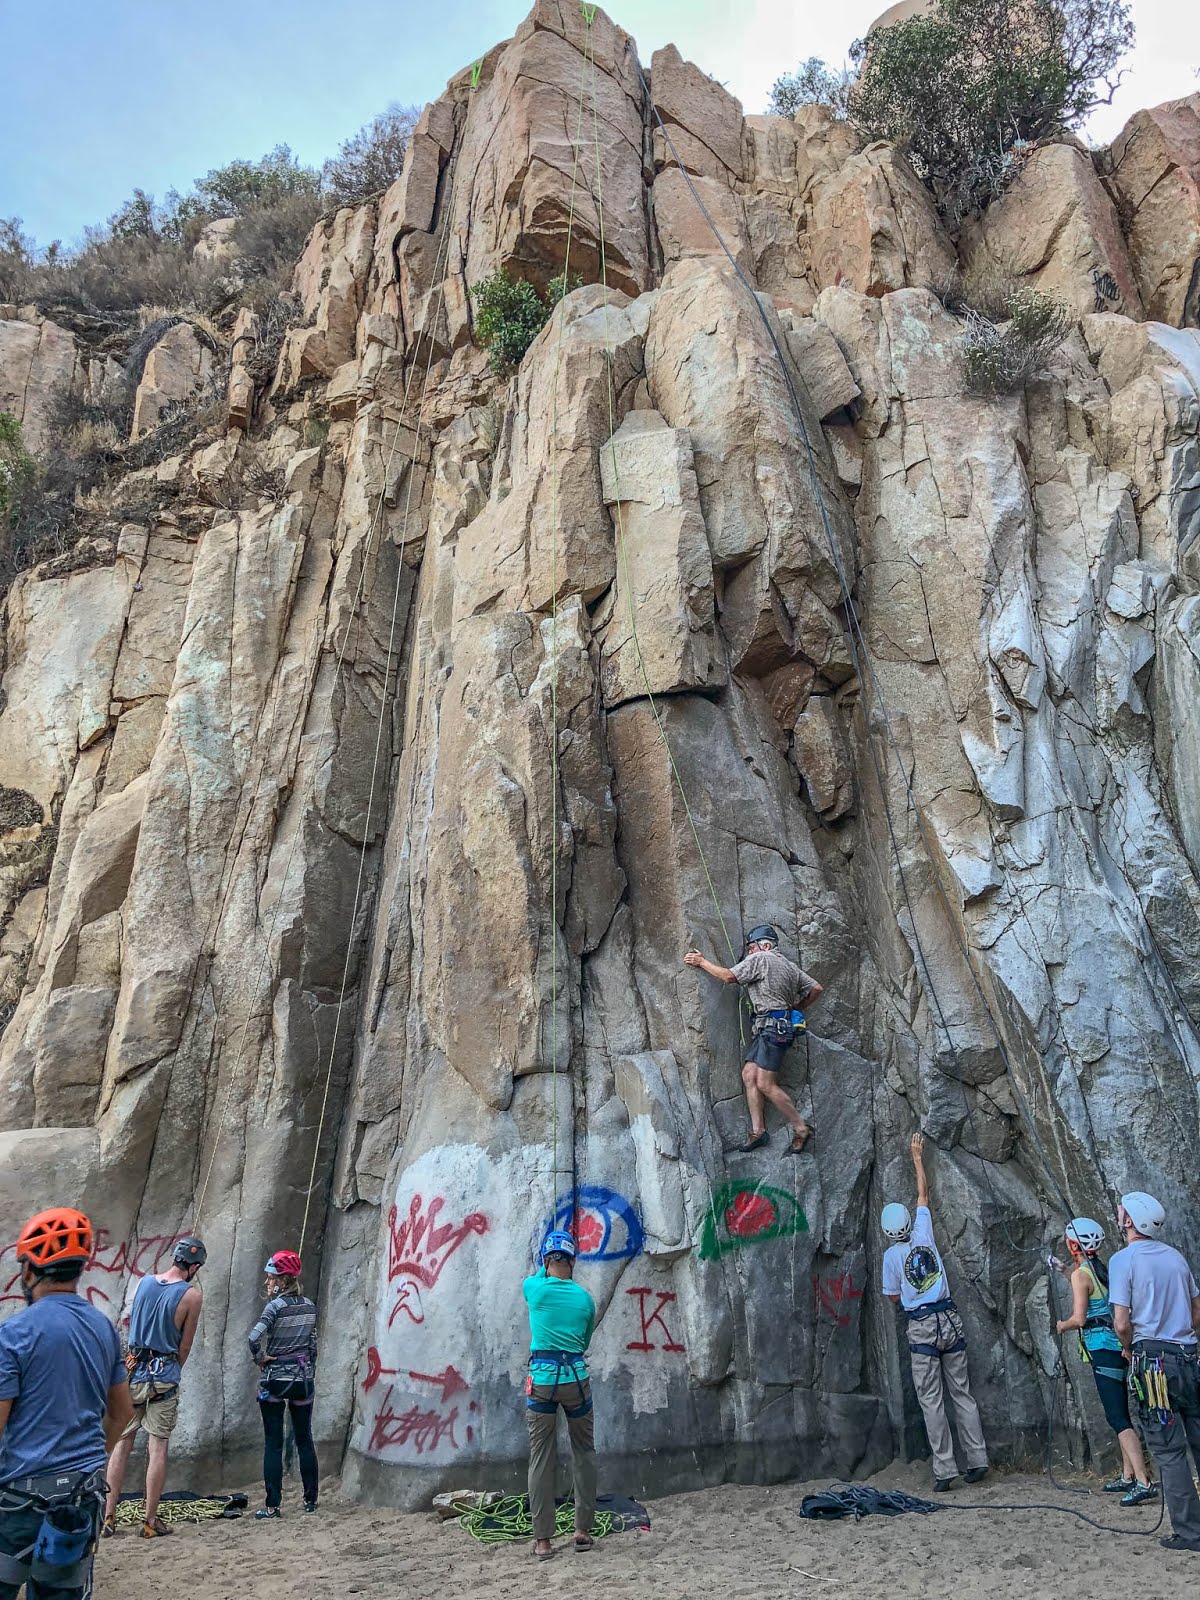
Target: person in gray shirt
[[775, 986], [1156, 1315]]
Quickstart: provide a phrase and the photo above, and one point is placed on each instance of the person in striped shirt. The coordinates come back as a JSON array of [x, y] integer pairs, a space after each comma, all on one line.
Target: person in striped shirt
[[284, 1344]]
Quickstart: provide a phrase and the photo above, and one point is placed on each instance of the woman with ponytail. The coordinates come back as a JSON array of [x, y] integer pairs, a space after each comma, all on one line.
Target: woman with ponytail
[[284, 1344], [1091, 1318]]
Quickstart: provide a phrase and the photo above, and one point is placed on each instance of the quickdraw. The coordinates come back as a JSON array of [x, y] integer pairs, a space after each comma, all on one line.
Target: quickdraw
[[1148, 1384]]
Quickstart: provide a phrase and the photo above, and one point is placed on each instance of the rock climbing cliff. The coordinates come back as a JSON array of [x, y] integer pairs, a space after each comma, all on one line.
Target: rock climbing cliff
[[367, 774]]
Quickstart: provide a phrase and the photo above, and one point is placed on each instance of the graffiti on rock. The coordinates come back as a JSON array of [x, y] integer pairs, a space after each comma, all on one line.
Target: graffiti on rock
[[653, 1319], [836, 1296], [418, 1427], [419, 1247], [135, 1256], [748, 1213], [603, 1223]]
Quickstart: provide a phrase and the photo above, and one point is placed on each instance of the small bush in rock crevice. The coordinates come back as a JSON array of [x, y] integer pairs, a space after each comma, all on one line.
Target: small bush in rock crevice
[[511, 313], [1001, 357]]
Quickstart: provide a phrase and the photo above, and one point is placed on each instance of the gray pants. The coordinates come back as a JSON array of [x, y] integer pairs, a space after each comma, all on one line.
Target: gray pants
[[936, 1374], [543, 1454], [1169, 1442]]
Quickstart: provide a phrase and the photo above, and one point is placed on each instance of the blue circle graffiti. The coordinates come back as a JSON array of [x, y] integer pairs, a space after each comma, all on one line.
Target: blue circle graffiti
[[603, 1223]]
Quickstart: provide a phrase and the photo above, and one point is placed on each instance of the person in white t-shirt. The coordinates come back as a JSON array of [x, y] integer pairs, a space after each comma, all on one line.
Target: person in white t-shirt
[[1156, 1316], [915, 1279]]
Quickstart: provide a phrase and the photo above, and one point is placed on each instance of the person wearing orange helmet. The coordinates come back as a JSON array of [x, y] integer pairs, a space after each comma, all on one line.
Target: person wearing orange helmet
[[284, 1344], [162, 1327], [64, 1399]]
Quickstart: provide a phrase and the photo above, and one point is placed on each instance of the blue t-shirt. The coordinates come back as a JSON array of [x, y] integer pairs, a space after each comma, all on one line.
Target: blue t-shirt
[[58, 1359], [562, 1315]]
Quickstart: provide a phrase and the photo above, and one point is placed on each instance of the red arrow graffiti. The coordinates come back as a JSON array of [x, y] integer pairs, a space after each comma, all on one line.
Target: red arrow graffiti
[[452, 1382]]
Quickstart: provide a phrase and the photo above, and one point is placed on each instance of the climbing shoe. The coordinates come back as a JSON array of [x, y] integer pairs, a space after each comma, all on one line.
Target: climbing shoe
[[1119, 1485], [156, 1529], [1139, 1493], [942, 1485], [755, 1142], [265, 1512], [975, 1474], [1174, 1542], [108, 1529]]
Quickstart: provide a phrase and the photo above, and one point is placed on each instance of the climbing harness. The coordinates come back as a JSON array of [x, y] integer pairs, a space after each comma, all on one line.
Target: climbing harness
[[71, 1505], [568, 1362], [1148, 1378]]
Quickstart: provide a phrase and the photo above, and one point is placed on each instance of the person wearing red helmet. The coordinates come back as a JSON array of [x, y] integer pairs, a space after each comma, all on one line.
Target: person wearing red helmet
[[284, 1344], [64, 1399], [162, 1328]]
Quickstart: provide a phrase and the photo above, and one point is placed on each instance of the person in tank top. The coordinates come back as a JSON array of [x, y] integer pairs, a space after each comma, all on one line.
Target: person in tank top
[[1091, 1317], [162, 1328]]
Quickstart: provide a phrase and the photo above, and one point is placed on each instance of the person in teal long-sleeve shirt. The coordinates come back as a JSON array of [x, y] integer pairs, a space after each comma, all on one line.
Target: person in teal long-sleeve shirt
[[562, 1315]]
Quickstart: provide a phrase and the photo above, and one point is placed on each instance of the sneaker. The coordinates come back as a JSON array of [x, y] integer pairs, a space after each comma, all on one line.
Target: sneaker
[[264, 1512], [975, 1474], [1174, 1542], [1139, 1494], [1119, 1485], [310, 1505], [942, 1485]]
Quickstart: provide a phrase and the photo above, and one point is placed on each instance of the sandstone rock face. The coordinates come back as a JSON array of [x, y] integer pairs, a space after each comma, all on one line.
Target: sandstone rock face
[[39, 361], [355, 819], [1155, 167], [1057, 228], [178, 365]]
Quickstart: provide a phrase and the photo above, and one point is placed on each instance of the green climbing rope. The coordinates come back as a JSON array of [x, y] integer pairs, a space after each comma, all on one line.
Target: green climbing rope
[[132, 1513], [509, 1519]]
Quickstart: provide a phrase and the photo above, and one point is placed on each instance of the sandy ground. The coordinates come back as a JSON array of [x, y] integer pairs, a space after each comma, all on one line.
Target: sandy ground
[[732, 1542]]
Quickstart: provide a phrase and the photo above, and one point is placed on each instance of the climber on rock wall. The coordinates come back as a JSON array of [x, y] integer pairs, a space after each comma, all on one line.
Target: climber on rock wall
[[914, 1278], [162, 1327], [562, 1315], [776, 986], [1156, 1315]]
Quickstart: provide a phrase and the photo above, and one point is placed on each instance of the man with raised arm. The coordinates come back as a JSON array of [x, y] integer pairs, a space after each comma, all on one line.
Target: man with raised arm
[[776, 986], [915, 1279]]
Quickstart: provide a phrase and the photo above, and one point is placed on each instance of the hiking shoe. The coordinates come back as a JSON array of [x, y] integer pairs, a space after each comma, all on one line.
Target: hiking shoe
[[1174, 1542], [1139, 1494], [942, 1485], [1119, 1485], [975, 1474], [264, 1512]]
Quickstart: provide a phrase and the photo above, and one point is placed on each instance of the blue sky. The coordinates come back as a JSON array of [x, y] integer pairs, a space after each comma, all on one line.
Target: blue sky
[[100, 96]]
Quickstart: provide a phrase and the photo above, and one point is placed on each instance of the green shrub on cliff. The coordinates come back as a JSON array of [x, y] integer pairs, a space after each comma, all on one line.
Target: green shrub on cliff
[[959, 88], [1000, 357], [510, 314]]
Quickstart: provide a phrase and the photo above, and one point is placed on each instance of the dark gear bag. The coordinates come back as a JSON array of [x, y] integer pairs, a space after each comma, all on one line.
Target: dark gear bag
[[60, 1556]]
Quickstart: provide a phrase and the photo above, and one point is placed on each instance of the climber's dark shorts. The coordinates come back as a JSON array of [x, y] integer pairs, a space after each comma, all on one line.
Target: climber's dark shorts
[[766, 1049], [1111, 1373]]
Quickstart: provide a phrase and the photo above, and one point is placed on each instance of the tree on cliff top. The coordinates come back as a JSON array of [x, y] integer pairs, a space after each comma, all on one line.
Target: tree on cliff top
[[959, 88]]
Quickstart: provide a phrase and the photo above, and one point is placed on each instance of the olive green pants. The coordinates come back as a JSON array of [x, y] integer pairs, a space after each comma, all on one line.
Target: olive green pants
[[543, 1455]]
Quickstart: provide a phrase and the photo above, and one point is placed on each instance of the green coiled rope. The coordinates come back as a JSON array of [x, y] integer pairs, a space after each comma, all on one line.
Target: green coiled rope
[[509, 1519]]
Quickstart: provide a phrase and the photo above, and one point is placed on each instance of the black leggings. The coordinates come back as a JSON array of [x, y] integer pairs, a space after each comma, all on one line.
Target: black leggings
[[272, 1415]]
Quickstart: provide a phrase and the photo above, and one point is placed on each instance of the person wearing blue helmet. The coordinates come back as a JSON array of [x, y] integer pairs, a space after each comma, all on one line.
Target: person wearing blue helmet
[[562, 1315]]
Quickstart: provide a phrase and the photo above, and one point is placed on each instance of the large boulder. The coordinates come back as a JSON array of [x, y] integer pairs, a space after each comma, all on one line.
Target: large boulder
[[1155, 171], [177, 368]]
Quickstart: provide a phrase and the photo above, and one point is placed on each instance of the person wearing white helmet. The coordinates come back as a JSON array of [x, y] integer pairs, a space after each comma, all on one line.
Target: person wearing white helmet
[[1156, 1316], [915, 1279], [1091, 1317]]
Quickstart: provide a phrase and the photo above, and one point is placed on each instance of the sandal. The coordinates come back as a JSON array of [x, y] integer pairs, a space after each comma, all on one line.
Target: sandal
[[540, 1555], [799, 1140], [755, 1142], [583, 1541], [156, 1529]]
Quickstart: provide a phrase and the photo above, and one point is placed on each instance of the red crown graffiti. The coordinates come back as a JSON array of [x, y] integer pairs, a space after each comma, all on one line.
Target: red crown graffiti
[[419, 1247]]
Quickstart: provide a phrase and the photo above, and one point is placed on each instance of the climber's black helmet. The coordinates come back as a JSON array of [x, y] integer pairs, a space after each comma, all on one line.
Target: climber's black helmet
[[763, 934]]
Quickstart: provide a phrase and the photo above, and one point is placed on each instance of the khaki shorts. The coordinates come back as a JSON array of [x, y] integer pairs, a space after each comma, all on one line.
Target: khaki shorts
[[157, 1417]]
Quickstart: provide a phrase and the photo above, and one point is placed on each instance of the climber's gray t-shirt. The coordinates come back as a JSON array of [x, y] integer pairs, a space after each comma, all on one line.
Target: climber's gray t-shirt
[[1155, 1284], [772, 981]]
